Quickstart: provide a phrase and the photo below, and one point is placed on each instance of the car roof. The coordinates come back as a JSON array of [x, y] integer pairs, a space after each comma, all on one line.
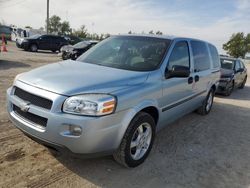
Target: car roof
[[228, 58], [169, 37]]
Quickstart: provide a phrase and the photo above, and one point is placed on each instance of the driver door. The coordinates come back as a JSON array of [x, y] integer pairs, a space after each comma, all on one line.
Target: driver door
[[176, 91]]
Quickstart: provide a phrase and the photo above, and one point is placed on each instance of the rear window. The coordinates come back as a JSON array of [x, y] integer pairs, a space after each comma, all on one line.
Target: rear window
[[214, 55], [200, 56]]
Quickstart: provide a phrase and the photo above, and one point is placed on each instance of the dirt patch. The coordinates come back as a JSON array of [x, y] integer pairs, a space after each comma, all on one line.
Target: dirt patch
[[15, 155]]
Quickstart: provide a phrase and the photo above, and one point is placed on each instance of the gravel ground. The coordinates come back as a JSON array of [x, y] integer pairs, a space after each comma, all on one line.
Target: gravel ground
[[195, 151]]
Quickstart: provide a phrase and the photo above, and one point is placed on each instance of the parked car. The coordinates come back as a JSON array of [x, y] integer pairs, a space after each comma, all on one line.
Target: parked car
[[73, 52], [233, 75], [116, 96], [73, 39], [43, 42]]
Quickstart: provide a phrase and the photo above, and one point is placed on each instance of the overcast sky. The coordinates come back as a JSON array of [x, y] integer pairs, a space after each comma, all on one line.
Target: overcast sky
[[212, 20]]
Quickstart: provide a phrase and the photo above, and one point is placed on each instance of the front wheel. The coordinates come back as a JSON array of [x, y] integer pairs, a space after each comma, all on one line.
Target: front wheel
[[33, 48], [207, 104], [137, 141], [229, 89]]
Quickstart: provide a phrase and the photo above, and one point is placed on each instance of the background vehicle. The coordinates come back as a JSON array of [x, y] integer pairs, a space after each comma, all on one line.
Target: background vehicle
[[73, 52], [233, 75], [72, 39], [43, 42], [114, 98]]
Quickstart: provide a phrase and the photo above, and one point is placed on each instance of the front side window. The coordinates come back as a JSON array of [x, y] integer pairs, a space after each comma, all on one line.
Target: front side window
[[179, 55], [200, 56], [242, 65], [214, 55], [237, 66], [227, 64], [128, 52]]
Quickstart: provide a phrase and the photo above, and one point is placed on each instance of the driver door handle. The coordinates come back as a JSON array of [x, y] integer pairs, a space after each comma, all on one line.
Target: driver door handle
[[196, 78], [190, 80]]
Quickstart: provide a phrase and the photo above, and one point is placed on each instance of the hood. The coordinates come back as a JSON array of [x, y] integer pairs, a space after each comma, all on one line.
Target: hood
[[74, 77], [226, 72]]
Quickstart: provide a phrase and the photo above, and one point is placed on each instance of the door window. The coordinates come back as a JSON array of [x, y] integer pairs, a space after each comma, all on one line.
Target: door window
[[179, 55], [214, 55], [200, 56], [237, 66], [242, 65]]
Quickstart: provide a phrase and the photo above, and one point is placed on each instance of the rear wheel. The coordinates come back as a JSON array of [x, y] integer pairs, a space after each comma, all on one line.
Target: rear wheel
[[137, 141], [33, 48], [207, 103], [243, 83]]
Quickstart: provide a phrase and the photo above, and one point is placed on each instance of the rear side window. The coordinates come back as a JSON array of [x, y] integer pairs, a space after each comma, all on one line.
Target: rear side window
[[214, 55], [200, 56], [179, 55]]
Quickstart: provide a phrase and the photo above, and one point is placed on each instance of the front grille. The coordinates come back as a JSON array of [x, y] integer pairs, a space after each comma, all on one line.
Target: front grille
[[30, 117], [33, 99]]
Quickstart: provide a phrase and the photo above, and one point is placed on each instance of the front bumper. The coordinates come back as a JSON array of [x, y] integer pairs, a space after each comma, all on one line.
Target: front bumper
[[223, 86], [99, 134]]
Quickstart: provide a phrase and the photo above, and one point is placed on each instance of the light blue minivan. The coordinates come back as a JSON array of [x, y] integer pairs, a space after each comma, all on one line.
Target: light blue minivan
[[116, 96]]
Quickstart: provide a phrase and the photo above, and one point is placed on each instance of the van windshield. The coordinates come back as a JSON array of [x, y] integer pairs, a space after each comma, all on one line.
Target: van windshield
[[134, 53]]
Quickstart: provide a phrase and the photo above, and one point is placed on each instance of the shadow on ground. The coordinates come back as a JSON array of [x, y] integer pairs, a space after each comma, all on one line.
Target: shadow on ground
[[241, 94], [195, 151], [5, 64]]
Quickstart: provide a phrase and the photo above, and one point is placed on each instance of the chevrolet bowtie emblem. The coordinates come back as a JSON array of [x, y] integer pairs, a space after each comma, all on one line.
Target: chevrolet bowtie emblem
[[24, 106]]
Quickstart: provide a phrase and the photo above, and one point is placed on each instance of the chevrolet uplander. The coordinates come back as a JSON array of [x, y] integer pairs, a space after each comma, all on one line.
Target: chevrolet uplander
[[116, 96]]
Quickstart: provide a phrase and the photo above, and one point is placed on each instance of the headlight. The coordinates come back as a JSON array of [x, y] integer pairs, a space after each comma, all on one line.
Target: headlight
[[90, 104]]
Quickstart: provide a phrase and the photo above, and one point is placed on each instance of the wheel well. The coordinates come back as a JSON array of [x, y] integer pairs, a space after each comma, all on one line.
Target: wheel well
[[213, 87], [33, 44], [153, 112]]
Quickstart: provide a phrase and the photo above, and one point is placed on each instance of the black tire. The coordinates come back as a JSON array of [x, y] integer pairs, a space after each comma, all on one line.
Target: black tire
[[64, 56], [123, 154], [243, 83], [203, 109], [33, 48], [229, 89]]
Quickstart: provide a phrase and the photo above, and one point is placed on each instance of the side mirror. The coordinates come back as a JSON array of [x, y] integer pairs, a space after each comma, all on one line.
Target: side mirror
[[239, 70], [177, 71]]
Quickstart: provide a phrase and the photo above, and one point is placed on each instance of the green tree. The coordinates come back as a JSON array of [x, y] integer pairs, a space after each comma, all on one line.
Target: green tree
[[81, 32], [159, 33], [238, 45], [247, 40], [151, 32], [28, 27], [65, 28], [54, 24]]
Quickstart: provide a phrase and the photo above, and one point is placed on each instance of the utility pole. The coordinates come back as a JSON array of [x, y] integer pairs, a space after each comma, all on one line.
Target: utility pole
[[47, 16]]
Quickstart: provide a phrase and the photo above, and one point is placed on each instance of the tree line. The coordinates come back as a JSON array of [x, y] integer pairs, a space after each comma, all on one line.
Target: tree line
[[57, 26], [238, 45]]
